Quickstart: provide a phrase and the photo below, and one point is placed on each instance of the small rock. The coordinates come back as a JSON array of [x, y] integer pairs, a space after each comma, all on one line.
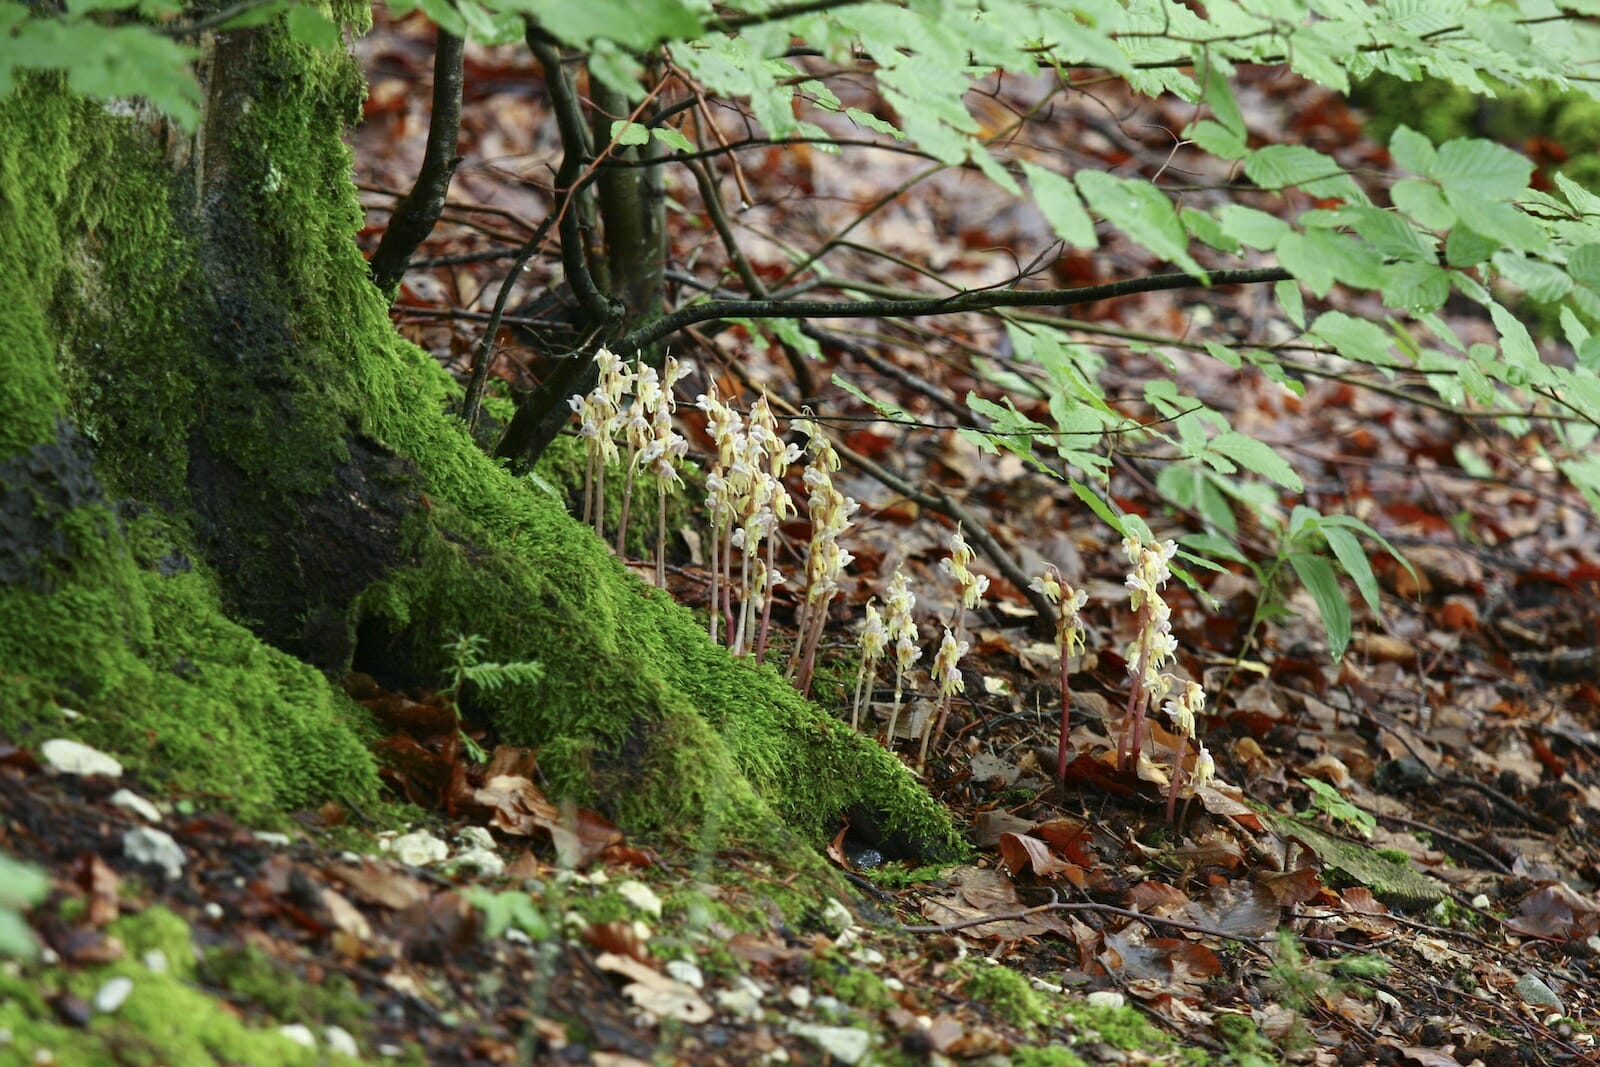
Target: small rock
[[277, 840], [419, 848], [1531, 988], [71, 757], [485, 861], [213, 911], [155, 961], [687, 973], [476, 837], [743, 1001], [844, 1043], [1106, 998], [835, 917], [799, 996], [128, 800], [111, 996], [148, 845], [299, 1034], [832, 1007], [341, 1041], [640, 896]]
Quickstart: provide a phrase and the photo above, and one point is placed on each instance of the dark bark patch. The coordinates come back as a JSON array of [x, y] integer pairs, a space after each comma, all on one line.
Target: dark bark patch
[[38, 488], [292, 566]]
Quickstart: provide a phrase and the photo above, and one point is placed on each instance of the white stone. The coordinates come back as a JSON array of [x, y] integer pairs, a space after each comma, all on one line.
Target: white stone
[[799, 996], [128, 800], [299, 1034], [419, 848], [640, 896], [71, 757], [277, 840], [835, 917], [476, 837], [485, 861], [687, 973], [148, 845], [1531, 988], [844, 1043], [155, 961], [743, 1001], [341, 1041], [1106, 998], [213, 911], [111, 996]]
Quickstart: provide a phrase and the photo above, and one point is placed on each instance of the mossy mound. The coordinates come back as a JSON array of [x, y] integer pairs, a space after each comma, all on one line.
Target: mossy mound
[[284, 489]]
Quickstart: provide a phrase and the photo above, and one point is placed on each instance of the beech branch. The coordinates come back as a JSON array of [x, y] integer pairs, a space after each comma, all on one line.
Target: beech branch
[[414, 217], [974, 300]]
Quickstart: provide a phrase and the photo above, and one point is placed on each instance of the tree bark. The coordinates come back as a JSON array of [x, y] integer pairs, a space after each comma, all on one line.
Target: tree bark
[[224, 480]]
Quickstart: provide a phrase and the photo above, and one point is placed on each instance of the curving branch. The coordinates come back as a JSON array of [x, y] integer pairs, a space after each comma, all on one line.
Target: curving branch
[[414, 217], [977, 300]]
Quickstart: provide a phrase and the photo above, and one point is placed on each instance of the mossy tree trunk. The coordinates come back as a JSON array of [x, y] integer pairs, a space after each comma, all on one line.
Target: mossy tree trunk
[[225, 480]]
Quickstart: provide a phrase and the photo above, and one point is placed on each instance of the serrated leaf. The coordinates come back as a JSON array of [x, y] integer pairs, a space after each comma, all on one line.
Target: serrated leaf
[[1254, 228], [1424, 202], [1355, 339], [633, 26], [1411, 150], [1293, 302], [672, 138], [1540, 280], [1279, 165], [626, 133], [1143, 212], [1464, 247], [882, 407], [1059, 203], [1258, 458], [1225, 355], [1584, 264], [873, 122], [1318, 577], [1217, 139], [1415, 287], [1497, 220], [1481, 168], [1218, 93]]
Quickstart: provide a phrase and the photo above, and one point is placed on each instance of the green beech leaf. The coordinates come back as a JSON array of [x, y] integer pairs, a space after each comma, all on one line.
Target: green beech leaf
[[1143, 212], [629, 133], [1481, 168], [1059, 202], [1411, 150]]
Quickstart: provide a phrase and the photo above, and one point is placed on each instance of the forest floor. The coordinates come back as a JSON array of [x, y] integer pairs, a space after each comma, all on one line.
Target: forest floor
[[1400, 867]]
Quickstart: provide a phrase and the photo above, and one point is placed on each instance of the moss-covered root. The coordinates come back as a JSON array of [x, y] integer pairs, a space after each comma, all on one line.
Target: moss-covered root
[[165, 1018], [637, 711]]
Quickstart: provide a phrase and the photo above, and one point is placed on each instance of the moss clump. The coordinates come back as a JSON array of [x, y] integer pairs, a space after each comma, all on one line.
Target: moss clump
[[1008, 993], [856, 986], [1052, 1056], [165, 1020], [261, 984]]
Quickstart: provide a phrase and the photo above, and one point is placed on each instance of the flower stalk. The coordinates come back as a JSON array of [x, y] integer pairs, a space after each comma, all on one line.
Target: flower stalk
[[1070, 641]]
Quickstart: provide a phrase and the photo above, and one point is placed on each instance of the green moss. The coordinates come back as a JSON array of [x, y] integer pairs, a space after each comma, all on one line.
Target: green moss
[[856, 986], [1053, 1056], [1008, 993], [263, 984], [165, 1020], [1246, 1045], [232, 361]]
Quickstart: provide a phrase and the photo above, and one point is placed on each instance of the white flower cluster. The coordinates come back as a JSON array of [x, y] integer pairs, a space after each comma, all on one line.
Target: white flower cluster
[[830, 512], [599, 420], [1153, 646], [901, 628], [1070, 639]]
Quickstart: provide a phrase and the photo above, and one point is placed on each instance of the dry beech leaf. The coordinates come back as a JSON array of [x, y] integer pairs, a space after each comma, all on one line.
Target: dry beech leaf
[[654, 992], [1019, 851], [345, 915], [379, 884]]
